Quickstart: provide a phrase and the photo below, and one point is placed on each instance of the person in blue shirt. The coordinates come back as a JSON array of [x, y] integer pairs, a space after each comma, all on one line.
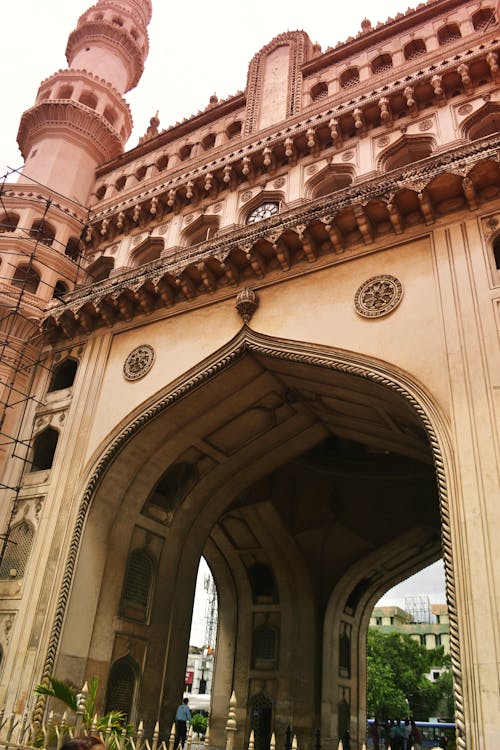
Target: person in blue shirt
[[182, 718]]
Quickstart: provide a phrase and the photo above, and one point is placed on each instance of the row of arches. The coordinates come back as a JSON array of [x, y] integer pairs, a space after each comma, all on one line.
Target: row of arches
[[447, 34], [40, 231]]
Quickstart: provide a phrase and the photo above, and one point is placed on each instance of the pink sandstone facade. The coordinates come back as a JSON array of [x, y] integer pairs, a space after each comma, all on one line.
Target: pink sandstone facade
[[269, 336]]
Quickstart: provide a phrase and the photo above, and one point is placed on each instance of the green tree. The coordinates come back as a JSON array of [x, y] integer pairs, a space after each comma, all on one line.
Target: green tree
[[397, 686]]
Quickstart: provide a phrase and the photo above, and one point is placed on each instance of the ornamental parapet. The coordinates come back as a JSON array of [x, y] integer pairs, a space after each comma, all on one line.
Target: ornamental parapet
[[328, 230], [83, 122]]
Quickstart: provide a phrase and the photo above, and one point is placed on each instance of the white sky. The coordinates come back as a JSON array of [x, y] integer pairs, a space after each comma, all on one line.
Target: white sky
[[197, 48]]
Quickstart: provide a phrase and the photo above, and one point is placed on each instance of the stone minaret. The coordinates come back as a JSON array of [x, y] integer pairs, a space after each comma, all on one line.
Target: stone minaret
[[80, 118], [79, 121]]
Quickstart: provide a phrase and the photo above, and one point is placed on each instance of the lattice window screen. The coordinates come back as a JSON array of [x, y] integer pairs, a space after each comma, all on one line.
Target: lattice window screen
[[17, 551], [121, 686]]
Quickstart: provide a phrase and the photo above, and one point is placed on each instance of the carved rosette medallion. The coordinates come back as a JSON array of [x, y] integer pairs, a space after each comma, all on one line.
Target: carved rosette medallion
[[138, 362], [246, 304], [347, 155], [378, 296], [465, 109], [246, 196], [279, 182], [383, 141], [425, 125]]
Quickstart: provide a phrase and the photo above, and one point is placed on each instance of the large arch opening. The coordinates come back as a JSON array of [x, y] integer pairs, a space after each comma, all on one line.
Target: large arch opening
[[297, 466]]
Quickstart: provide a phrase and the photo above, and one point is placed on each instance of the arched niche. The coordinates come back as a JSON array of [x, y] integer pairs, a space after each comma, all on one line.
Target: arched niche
[[63, 375], [406, 150], [329, 180], [43, 450], [483, 122], [149, 250], [122, 687], [203, 228]]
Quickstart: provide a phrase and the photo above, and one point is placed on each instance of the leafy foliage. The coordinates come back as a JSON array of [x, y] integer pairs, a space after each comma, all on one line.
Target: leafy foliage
[[397, 686], [199, 723], [113, 721]]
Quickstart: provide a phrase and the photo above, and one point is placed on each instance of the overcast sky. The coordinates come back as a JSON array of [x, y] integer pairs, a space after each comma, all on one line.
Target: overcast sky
[[196, 49]]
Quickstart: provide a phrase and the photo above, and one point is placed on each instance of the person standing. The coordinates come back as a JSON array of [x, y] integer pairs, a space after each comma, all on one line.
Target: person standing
[[182, 718]]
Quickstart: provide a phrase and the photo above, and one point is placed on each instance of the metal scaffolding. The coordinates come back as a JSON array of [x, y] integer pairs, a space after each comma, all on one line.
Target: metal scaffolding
[[21, 309]]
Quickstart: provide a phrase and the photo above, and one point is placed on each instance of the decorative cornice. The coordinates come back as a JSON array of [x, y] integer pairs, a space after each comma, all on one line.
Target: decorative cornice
[[320, 131], [358, 216]]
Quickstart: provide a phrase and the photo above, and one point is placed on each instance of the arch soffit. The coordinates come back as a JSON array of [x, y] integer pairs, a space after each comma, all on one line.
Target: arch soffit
[[248, 342]]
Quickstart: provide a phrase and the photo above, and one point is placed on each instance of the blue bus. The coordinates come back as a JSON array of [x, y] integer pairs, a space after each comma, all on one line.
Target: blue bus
[[434, 734]]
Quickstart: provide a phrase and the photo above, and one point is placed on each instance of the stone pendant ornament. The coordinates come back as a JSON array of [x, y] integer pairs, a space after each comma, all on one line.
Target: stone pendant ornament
[[246, 304]]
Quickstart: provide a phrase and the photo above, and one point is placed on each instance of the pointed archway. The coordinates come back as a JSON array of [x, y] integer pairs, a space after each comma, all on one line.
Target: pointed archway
[[294, 456]]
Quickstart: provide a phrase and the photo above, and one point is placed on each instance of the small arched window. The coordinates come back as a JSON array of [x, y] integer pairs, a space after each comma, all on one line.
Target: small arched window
[[162, 163], [42, 231], [17, 551], [185, 151], [120, 183], [137, 586], [234, 129], [110, 115], [319, 91], [59, 290], [349, 77], [448, 34], [381, 63], [65, 92], [121, 687], [414, 49], [117, 21], [483, 18], [26, 278], [88, 99], [63, 375], [208, 141], [72, 249], [9, 222], [101, 192], [141, 173], [44, 448]]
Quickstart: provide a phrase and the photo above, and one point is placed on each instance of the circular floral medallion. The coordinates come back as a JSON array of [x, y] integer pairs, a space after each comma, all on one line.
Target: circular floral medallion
[[465, 109], [425, 125], [378, 296], [347, 155], [138, 362]]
